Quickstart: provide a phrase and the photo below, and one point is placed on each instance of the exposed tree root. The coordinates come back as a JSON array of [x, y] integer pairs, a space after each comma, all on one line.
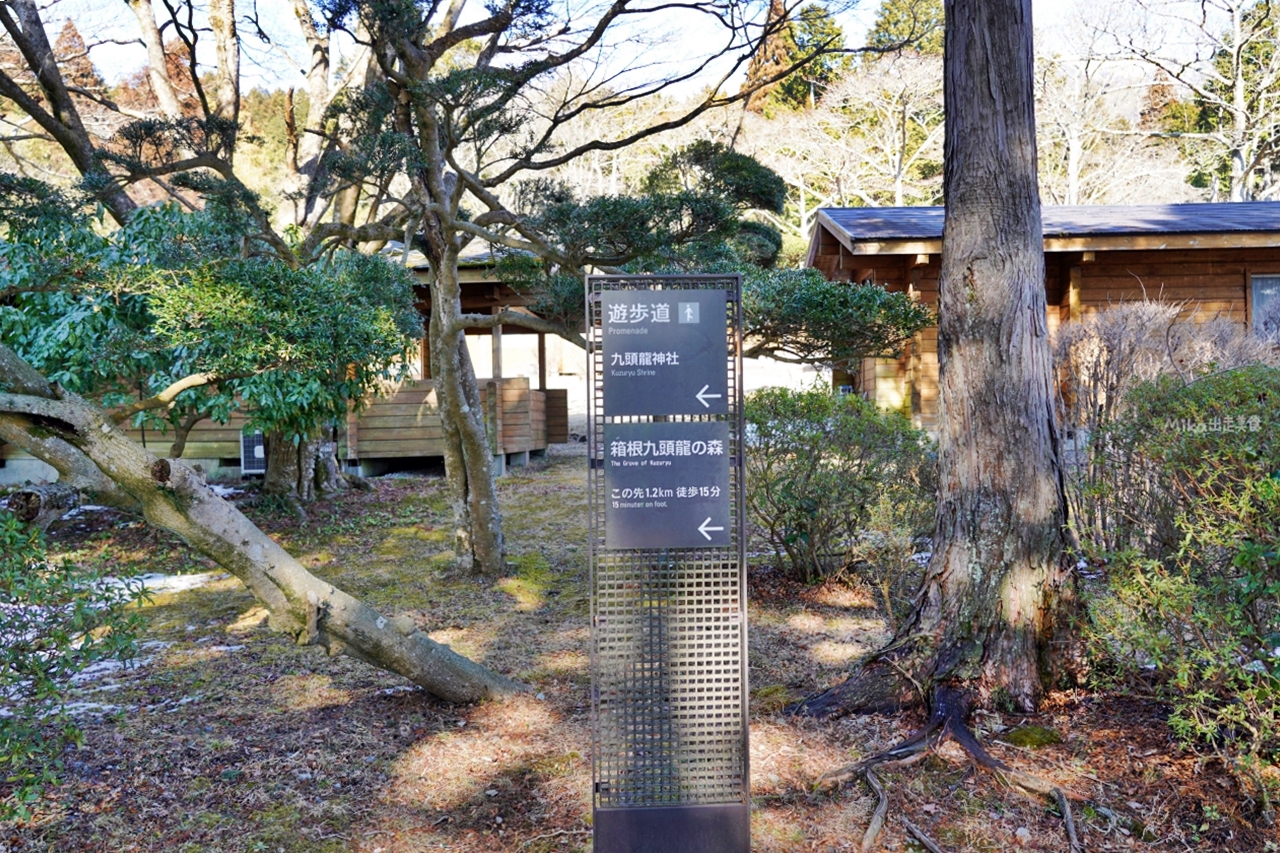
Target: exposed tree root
[[925, 841], [880, 685], [948, 719], [882, 809], [1073, 840]]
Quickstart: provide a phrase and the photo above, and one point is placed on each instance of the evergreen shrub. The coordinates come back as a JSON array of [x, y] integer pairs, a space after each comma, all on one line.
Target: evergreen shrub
[[56, 620], [1196, 623], [830, 477]]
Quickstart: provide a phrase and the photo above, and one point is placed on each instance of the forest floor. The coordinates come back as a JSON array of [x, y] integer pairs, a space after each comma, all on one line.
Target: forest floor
[[226, 737]]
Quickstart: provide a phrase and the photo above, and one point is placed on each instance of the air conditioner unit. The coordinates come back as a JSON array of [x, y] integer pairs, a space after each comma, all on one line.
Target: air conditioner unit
[[253, 453]]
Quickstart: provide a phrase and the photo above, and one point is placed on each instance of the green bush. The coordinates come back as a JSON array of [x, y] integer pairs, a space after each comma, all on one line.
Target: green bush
[[822, 467], [1192, 614], [55, 620]]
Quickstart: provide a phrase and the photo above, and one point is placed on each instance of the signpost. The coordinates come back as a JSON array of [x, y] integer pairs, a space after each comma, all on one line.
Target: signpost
[[667, 565]]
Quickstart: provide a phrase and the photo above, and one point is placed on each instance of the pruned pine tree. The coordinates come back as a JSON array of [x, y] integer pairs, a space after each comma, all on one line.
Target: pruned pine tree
[[457, 102]]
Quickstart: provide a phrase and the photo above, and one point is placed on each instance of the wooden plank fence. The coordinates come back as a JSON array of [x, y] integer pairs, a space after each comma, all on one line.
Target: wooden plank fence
[[403, 423]]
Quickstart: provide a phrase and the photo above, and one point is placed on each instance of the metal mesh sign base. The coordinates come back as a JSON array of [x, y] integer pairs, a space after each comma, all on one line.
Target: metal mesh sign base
[[669, 680], [668, 659]]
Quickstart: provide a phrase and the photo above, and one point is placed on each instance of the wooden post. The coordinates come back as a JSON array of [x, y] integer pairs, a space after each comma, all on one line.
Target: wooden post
[[497, 350], [353, 436], [425, 354], [542, 361], [1073, 295], [493, 408]]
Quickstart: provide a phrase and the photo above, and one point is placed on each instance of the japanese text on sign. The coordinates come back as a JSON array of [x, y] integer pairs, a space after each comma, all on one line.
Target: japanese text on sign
[[643, 359], [667, 485], [666, 447], [658, 312]]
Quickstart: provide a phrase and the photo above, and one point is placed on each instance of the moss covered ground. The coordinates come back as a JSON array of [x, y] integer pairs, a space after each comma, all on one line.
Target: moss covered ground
[[227, 737]]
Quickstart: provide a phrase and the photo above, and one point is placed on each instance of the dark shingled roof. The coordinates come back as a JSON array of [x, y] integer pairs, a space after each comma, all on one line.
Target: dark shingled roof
[[925, 223]]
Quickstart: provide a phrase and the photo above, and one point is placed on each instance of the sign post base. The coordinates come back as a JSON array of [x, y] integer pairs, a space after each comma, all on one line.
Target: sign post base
[[717, 828]]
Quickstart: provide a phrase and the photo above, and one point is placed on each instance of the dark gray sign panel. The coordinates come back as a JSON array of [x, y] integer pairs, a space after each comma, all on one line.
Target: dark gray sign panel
[[665, 352], [666, 485], [670, 770]]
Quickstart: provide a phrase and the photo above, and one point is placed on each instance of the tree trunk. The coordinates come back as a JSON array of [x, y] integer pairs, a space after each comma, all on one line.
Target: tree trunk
[[991, 614], [291, 467], [91, 454], [468, 457], [182, 432], [328, 474], [44, 504], [993, 592]]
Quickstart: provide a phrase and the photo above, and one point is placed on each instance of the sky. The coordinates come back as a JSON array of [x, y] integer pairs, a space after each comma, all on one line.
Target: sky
[[266, 66]]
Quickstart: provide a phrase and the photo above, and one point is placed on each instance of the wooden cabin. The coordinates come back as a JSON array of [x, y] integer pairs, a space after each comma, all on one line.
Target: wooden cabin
[[1222, 260]]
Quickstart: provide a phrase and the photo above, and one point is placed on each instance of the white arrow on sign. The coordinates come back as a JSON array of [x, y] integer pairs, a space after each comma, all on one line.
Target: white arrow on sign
[[703, 397], [705, 530]]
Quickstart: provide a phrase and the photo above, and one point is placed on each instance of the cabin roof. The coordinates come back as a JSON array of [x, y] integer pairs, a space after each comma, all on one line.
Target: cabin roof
[[918, 230]]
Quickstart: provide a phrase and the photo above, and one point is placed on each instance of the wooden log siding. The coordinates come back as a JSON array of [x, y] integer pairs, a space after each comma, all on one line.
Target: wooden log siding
[[207, 439], [403, 423], [406, 423], [557, 401], [1211, 282]]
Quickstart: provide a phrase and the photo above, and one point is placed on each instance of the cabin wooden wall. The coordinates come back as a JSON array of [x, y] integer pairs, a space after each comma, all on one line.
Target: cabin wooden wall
[[404, 423], [1211, 283]]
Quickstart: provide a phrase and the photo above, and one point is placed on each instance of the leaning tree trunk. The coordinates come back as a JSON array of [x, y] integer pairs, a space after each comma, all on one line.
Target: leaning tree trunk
[[468, 457], [91, 454], [990, 616]]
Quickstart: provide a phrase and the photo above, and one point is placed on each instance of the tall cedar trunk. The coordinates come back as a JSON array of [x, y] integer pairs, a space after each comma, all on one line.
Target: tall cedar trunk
[[91, 454], [995, 601], [993, 595], [468, 457]]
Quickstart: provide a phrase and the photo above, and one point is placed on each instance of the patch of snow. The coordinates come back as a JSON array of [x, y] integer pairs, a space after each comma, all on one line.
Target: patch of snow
[[185, 700], [81, 510], [85, 709], [158, 584], [225, 491], [225, 648], [106, 687], [100, 669], [400, 688], [922, 558]]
